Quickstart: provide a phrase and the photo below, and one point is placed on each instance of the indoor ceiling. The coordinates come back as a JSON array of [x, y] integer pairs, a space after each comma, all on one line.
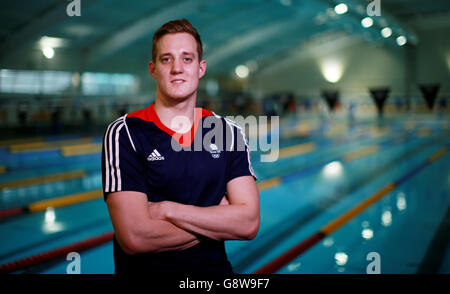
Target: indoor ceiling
[[115, 35]]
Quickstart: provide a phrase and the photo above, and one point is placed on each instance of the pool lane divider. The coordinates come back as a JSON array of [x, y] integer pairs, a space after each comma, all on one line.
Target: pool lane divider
[[55, 253], [81, 149], [54, 202], [309, 127], [44, 146], [297, 150], [335, 224], [312, 146], [75, 174], [54, 237], [9, 142], [18, 141], [373, 132]]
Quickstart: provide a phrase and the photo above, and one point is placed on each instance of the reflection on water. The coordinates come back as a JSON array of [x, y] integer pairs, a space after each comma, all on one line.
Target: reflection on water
[[50, 224]]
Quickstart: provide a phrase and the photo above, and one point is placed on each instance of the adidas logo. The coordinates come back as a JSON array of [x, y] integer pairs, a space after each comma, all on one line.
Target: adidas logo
[[155, 156]]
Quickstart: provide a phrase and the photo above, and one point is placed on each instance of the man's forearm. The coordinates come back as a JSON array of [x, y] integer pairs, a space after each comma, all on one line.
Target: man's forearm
[[137, 232], [222, 222], [161, 235]]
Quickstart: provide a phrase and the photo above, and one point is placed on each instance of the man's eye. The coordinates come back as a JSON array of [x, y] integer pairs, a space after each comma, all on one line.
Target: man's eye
[[187, 59], [165, 59]]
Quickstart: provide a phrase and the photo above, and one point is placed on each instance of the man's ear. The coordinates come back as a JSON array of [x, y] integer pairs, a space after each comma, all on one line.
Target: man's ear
[[202, 69], [152, 68]]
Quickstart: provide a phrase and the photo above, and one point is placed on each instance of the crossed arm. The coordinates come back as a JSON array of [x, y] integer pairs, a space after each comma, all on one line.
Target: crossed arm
[[142, 226]]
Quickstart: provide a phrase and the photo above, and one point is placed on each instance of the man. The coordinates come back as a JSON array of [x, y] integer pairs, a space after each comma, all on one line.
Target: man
[[171, 206]]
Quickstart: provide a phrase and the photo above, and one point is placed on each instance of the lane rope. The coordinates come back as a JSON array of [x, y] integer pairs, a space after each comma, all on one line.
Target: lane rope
[[55, 253], [53, 202]]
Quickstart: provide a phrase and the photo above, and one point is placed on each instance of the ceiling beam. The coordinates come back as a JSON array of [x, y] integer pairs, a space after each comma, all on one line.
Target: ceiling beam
[[276, 49], [250, 39], [143, 27]]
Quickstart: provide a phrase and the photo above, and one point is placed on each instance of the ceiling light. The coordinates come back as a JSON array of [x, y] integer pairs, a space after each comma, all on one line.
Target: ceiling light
[[242, 71], [341, 8], [367, 22], [53, 42], [401, 40], [332, 69], [386, 32], [48, 52]]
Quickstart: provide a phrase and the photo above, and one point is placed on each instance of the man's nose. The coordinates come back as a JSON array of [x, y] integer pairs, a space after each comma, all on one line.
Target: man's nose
[[177, 67]]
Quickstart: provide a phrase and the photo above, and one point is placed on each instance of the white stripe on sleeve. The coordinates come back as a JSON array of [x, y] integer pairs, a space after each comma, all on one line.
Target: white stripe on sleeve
[[107, 150]]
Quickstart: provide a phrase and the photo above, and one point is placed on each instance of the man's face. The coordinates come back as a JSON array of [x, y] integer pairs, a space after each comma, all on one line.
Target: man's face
[[177, 68]]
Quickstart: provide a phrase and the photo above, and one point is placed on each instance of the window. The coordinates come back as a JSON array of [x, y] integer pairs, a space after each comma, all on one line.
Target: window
[[57, 82], [107, 84]]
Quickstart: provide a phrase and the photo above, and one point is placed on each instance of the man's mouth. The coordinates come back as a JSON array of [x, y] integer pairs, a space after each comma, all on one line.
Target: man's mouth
[[178, 81]]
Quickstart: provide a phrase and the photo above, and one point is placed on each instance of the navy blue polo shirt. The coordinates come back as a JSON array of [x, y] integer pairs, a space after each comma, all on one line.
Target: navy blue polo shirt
[[141, 154]]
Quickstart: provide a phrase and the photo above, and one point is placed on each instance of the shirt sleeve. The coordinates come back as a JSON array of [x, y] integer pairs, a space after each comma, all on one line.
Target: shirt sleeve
[[122, 166], [240, 164]]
